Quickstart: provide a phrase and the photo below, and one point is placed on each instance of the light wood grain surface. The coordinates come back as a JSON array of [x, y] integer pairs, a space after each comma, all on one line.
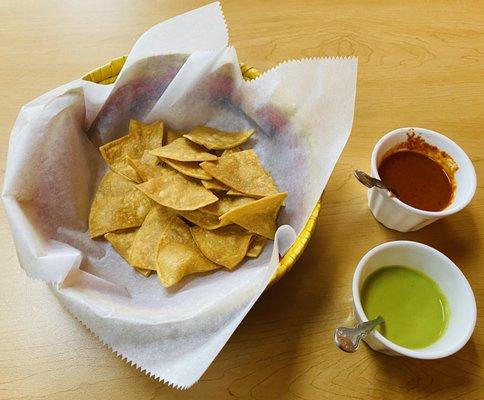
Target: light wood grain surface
[[420, 64]]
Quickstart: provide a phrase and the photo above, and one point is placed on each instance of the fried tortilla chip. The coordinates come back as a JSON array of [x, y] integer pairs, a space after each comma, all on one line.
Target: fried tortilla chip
[[155, 229], [202, 219], [225, 246], [213, 184], [172, 135], [191, 169], [231, 151], [225, 204], [183, 150], [173, 190], [256, 246], [141, 137], [258, 216], [214, 139], [145, 171], [118, 204], [149, 159], [122, 240], [233, 192], [243, 172], [178, 255]]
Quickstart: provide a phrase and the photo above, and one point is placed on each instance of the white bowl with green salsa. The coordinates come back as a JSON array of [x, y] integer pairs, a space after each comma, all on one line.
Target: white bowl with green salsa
[[427, 303]]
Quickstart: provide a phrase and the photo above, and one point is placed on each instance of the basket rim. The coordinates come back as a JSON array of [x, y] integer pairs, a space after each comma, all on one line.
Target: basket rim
[[108, 73]]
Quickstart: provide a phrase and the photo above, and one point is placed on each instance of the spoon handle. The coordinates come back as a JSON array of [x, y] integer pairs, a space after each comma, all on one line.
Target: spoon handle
[[364, 328], [348, 339]]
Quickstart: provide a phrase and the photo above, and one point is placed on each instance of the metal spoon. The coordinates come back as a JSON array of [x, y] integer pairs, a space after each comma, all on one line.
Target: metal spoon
[[370, 182], [348, 339]]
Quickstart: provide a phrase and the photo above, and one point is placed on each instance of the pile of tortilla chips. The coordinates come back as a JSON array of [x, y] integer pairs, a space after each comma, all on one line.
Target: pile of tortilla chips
[[183, 203]]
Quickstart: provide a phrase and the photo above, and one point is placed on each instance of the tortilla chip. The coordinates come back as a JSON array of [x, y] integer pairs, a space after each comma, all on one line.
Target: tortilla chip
[[233, 192], [213, 184], [231, 151], [178, 255], [243, 172], [256, 246], [149, 236], [141, 137], [191, 169], [149, 159], [202, 219], [258, 216], [118, 204], [145, 272], [173, 190], [172, 135], [225, 246], [225, 204], [145, 171], [183, 150], [214, 139], [122, 240]]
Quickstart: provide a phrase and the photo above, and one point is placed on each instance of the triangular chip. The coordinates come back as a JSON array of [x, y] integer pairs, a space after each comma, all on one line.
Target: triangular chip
[[230, 151], [118, 204], [122, 240], [243, 172], [225, 204], [202, 219], [191, 169], [258, 216], [256, 246], [178, 255], [173, 190], [214, 139], [141, 137], [148, 158], [233, 192], [145, 171], [156, 226], [225, 246], [183, 150], [172, 135], [213, 184]]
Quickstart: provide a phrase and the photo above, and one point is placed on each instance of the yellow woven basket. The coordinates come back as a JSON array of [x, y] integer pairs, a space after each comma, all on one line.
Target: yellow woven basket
[[108, 74]]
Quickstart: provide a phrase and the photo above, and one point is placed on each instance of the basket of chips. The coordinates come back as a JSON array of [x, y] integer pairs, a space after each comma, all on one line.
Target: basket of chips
[[108, 73]]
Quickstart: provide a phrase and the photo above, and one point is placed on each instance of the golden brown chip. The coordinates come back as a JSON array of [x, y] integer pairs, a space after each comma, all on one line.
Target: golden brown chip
[[178, 255], [173, 190], [213, 184], [243, 172], [256, 246], [118, 204], [230, 151], [145, 245], [225, 246], [214, 139], [141, 137], [176, 260], [183, 150], [145, 272], [148, 158], [122, 240], [172, 135], [225, 204], [258, 216], [145, 171], [202, 219], [233, 192], [191, 169]]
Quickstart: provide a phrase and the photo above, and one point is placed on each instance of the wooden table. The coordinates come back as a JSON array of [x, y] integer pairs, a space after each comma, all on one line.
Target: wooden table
[[420, 64]]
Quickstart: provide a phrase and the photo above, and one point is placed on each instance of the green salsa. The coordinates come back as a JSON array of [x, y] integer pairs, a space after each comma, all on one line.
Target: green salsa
[[414, 308]]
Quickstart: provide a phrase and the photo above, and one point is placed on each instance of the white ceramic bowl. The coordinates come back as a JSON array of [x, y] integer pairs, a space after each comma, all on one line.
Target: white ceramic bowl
[[444, 272], [395, 214]]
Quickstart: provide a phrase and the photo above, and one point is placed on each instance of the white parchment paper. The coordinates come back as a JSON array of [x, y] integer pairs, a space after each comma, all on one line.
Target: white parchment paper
[[183, 72]]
